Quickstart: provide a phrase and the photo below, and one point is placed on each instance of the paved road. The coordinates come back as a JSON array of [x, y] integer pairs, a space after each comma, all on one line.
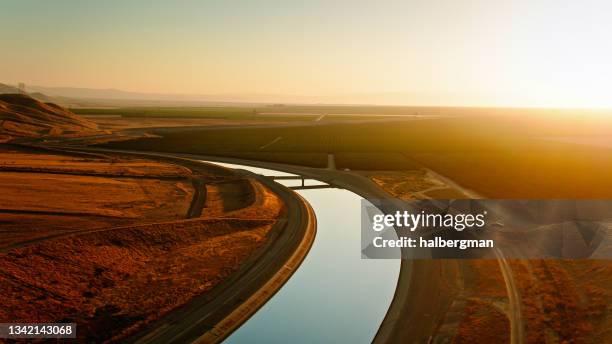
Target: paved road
[[203, 313]]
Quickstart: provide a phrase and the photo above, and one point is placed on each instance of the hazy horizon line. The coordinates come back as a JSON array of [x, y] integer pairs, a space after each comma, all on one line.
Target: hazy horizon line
[[272, 98]]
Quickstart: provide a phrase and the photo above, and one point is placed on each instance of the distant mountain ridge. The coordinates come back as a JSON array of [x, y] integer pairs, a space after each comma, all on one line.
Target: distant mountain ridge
[[107, 97], [112, 97], [8, 89], [24, 116], [91, 93], [79, 97]]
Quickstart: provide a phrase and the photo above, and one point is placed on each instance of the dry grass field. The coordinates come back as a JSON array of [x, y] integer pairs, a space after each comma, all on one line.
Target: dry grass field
[[413, 184], [12, 159], [109, 242], [113, 282], [49, 194], [565, 301]]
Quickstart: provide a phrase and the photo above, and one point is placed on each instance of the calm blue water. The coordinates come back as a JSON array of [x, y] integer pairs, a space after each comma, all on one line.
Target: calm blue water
[[335, 296]]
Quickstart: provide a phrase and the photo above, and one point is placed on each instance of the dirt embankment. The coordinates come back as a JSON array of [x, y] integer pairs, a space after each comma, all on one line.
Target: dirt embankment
[[23, 116], [113, 249], [565, 301]]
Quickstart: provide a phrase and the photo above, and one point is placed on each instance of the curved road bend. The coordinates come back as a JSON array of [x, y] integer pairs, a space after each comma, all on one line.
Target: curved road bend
[[418, 304], [212, 317]]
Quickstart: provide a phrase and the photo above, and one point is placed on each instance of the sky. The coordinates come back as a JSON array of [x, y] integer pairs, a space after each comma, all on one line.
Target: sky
[[548, 53]]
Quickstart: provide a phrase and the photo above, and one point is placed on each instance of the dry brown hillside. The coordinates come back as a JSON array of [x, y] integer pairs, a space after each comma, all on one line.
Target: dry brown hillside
[[24, 116]]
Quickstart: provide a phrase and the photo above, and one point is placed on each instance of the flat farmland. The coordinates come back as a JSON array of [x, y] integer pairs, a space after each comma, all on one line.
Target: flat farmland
[[220, 113], [500, 156]]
